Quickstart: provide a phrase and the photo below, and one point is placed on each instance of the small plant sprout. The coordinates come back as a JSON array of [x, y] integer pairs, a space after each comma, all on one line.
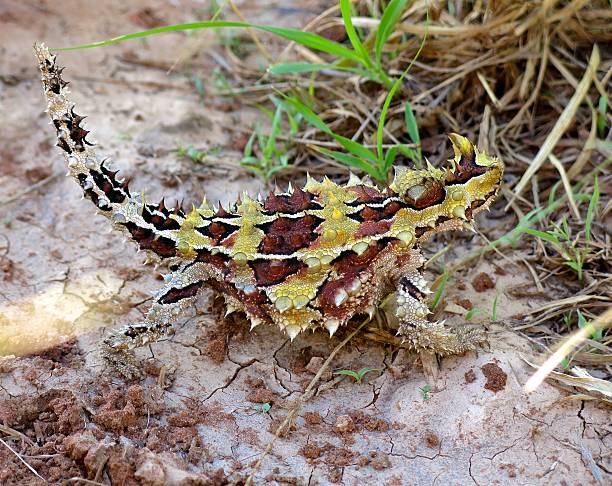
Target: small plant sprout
[[560, 237], [191, 152], [262, 153], [602, 108], [425, 392], [582, 323], [494, 308], [262, 407], [356, 375], [473, 312], [443, 280]]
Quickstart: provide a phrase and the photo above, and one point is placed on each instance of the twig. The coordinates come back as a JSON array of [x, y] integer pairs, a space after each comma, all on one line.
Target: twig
[[23, 460]]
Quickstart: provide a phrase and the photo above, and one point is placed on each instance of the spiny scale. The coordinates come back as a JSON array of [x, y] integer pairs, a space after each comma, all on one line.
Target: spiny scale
[[311, 257]]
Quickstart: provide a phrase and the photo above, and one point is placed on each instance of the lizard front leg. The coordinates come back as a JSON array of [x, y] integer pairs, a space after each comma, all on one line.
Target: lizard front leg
[[181, 289], [425, 335]]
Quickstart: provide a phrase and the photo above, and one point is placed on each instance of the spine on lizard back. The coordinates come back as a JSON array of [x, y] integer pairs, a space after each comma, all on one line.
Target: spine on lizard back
[[152, 226]]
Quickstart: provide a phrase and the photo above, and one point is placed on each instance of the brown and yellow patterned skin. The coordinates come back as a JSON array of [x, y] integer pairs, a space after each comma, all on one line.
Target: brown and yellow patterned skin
[[308, 258]]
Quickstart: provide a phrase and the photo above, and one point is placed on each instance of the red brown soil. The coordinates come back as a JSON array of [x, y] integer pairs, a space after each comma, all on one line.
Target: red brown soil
[[496, 378]]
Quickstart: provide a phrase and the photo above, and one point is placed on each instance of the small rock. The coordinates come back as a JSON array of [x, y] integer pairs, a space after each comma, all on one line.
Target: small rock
[[151, 473], [344, 424]]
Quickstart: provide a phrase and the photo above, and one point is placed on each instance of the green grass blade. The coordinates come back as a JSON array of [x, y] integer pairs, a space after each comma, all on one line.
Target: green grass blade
[[309, 115], [390, 158], [592, 205], [314, 119], [387, 22], [271, 143], [307, 39], [355, 148], [602, 107], [494, 309], [440, 290], [307, 67], [392, 152], [542, 235], [396, 85], [345, 8], [248, 148], [412, 127], [351, 373], [352, 161]]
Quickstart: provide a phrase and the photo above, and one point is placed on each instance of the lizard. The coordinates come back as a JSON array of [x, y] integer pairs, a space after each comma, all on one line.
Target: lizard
[[308, 258]]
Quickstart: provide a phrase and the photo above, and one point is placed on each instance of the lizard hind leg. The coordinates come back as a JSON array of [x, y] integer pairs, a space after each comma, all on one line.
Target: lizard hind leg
[[181, 289], [423, 334]]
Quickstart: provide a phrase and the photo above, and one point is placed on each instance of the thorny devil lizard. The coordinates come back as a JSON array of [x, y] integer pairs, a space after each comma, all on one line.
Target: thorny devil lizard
[[308, 258]]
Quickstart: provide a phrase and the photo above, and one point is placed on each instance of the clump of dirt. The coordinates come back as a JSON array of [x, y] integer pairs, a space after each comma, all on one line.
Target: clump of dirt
[[313, 418], [262, 395], [259, 393], [482, 282], [123, 411], [338, 456], [378, 460], [226, 328], [310, 451], [470, 376], [216, 350], [343, 424], [465, 303], [45, 422], [431, 440], [496, 377], [369, 422], [44, 415]]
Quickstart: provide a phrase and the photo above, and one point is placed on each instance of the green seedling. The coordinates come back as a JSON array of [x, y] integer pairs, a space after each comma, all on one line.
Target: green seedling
[[561, 239], [597, 335], [473, 312], [262, 408], [263, 154], [602, 108], [439, 291], [356, 375], [425, 392], [192, 153], [494, 308]]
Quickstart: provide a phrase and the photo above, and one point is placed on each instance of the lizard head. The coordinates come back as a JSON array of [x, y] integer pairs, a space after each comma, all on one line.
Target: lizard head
[[448, 197]]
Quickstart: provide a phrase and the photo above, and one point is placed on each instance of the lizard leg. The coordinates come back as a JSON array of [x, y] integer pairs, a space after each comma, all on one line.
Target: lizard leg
[[180, 290], [423, 334]]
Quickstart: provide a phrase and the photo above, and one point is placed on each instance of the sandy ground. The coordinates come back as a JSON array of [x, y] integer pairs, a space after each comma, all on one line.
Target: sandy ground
[[198, 417]]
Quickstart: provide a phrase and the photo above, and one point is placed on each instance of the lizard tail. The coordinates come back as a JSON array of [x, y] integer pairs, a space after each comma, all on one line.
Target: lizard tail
[[152, 226]]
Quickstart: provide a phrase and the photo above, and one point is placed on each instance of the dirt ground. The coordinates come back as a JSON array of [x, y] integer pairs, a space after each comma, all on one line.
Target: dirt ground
[[199, 416]]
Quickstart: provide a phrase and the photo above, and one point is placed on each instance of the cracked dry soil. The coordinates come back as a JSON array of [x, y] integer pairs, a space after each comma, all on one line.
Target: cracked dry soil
[[200, 416]]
